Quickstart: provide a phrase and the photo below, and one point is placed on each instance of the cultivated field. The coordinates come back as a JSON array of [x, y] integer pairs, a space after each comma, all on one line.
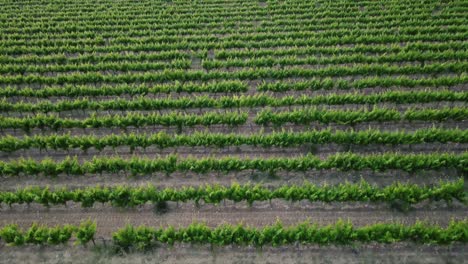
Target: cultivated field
[[233, 131]]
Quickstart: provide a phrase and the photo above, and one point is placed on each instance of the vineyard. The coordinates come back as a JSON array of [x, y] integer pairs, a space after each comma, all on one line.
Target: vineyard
[[172, 125]]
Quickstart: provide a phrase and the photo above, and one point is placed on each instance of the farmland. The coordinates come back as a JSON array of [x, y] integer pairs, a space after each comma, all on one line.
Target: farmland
[[197, 129]]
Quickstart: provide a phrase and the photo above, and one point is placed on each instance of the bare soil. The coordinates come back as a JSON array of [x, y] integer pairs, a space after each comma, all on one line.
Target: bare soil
[[195, 254]]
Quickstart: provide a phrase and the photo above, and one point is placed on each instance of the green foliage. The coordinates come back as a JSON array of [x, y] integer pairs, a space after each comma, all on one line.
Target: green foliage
[[351, 117], [257, 100], [275, 139], [129, 120], [271, 61], [248, 74], [129, 237], [305, 233], [170, 164], [12, 235], [369, 82], [142, 90], [125, 196], [85, 232], [37, 234]]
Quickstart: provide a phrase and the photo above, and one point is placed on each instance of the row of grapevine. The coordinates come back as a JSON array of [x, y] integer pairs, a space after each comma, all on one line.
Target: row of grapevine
[[177, 87], [265, 117], [237, 86], [152, 26], [125, 196], [253, 63], [170, 164], [61, 59], [283, 32], [245, 28], [143, 21], [144, 237], [215, 44], [386, 82], [42, 235], [341, 232], [205, 101], [356, 49], [258, 36], [130, 119], [275, 139], [245, 74], [212, 12], [414, 56], [113, 66], [306, 116]]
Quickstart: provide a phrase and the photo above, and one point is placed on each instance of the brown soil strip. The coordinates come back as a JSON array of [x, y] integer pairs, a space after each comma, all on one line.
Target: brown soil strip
[[194, 254]]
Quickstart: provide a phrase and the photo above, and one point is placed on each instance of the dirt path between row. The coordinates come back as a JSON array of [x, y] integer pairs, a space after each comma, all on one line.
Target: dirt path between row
[[373, 253]]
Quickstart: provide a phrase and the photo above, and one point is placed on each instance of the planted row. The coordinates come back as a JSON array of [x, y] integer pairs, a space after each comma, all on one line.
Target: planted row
[[61, 59], [142, 15], [386, 82], [245, 74], [281, 26], [214, 43], [170, 164], [414, 56], [101, 66], [126, 196], [275, 139], [356, 49], [154, 27], [98, 33], [42, 235], [244, 32], [177, 87], [299, 33], [146, 22], [265, 117], [232, 86], [123, 121], [341, 232], [307, 116], [205, 101]]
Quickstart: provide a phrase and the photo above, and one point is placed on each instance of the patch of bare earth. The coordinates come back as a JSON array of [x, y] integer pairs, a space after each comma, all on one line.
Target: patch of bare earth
[[195, 254]]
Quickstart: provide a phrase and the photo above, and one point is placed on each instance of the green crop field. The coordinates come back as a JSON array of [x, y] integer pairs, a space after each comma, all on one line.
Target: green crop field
[[279, 130]]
